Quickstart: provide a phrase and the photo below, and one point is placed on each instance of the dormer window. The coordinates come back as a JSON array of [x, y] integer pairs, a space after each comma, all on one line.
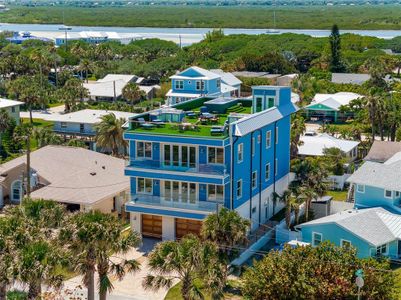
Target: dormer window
[[179, 84], [218, 83]]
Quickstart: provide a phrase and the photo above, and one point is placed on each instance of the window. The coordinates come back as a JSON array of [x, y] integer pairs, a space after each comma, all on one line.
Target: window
[[177, 191], [16, 190], [276, 135], [267, 172], [179, 156], [215, 192], [63, 125], [145, 185], [215, 155], [253, 209], [388, 194], [253, 146], [239, 188], [345, 244], [381, 250], [270, 102], [360, 188], [200, 85], [13, 109], [258, 138], [143, 149], [267, 208], [397, 194], [179, 84], [268, 139], [254, 179], [81, 127], [316, 238], [218, 83], [240, 152], [276, 167]]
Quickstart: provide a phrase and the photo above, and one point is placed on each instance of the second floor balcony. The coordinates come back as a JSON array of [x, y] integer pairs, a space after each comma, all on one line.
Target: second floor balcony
[[160, 202], [207, 169]]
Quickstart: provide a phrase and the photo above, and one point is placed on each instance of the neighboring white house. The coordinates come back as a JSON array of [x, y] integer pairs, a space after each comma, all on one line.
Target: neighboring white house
[[314, 144], [79, 178], [229, 81], [111, 87], [12, 107], [80, 124]]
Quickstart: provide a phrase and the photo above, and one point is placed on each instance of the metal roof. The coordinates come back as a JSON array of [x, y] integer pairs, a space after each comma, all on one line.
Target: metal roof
[[315, 145], [252, 122], [89, 116], [4, 103], [334, 101]]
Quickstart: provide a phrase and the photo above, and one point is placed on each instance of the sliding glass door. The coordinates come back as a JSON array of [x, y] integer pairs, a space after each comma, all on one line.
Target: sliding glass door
[[179, 156], [177, 191]]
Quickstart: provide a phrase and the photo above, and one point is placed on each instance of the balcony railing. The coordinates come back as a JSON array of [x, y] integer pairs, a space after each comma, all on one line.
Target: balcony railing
[[162, 202], [209, 169]]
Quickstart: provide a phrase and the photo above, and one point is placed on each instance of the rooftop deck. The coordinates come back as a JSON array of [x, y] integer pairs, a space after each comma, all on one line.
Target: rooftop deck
[[199, 117]]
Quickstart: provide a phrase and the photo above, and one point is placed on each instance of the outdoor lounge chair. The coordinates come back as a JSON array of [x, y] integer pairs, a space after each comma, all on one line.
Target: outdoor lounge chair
[[217, 130]]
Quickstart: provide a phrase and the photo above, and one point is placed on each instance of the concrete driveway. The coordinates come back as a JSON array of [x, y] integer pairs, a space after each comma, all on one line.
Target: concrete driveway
[[43, 114], [130, 288]]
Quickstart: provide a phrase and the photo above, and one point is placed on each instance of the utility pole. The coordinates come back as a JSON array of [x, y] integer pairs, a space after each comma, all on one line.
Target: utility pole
[[114, 91], [28, 165]]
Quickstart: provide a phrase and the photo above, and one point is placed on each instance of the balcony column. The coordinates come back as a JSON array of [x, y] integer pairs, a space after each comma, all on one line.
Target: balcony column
[[135, 220], [168, 227]]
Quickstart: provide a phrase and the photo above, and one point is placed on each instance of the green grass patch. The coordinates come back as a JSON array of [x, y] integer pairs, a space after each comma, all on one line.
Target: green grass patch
[[231, 291], [169, 129], [55, 104], [338, 195], [38, 122], [17, 295]]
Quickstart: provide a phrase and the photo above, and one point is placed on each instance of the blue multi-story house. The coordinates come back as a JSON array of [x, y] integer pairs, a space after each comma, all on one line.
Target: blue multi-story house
[[189, 160], [196, 82]]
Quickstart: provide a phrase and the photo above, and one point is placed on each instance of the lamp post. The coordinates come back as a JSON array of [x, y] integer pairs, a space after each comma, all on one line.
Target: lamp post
[[65, 29]]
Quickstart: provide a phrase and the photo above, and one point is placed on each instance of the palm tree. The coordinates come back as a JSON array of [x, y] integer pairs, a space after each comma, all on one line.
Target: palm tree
[[308, 194], [34, 227], [5, 120], [41, 58], [132, 93], [56, 59], [45, 136], [93, 238], [109, 133], [297, 129], [188, 260], [71, 92], [23, 133], [85, 66], [7, 257], [228, 229]]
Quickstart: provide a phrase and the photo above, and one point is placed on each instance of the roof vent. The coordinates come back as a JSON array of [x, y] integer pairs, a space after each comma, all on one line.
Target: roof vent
[[93, 173], [104, 167]]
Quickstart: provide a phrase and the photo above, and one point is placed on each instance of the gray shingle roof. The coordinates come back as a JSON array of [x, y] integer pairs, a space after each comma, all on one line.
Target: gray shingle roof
[[382, 151], [382, 175], [376, 225]]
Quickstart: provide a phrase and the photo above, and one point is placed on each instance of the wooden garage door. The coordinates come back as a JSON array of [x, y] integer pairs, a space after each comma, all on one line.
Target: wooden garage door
[[152, 226], [185, 226]]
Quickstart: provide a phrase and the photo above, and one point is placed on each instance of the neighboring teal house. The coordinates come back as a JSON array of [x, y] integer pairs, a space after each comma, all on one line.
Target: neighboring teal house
[[327, 106], [12, 107], [196, 82], [378, 184], [373, 231]]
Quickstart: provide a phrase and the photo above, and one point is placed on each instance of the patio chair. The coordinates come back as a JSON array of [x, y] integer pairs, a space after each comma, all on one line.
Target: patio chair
[[217, 130]]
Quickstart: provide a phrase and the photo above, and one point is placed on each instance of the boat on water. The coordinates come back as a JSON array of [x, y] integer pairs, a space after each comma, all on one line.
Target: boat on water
[[273, 30]]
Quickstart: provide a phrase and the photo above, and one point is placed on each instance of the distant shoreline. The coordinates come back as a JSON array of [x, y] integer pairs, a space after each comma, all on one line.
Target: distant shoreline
[[369, 17]]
